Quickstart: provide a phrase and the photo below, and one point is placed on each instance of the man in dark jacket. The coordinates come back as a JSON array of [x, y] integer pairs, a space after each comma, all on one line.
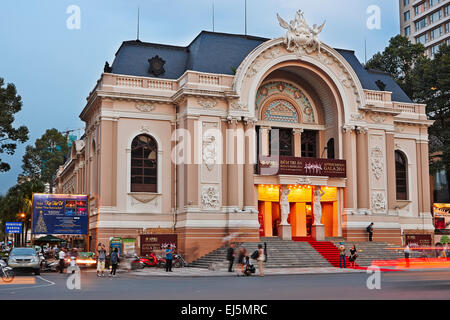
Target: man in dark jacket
[[370, 231], [230, 257]]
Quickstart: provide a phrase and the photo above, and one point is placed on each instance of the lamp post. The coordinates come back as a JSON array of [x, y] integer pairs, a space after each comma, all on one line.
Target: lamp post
[[22, 217]]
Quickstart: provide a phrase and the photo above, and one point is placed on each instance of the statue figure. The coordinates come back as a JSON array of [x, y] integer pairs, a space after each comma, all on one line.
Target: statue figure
[[301, 34], [318, 193], [284, 203]]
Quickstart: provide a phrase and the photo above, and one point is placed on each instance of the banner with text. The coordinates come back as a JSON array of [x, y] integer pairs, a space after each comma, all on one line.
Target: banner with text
[[60, 214]]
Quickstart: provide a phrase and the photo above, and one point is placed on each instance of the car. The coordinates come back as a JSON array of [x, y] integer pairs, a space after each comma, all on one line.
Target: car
[[21, 258], [86, 259]]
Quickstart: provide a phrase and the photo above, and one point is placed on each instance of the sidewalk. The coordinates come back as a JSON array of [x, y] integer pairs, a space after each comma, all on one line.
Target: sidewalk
[[200, 272]]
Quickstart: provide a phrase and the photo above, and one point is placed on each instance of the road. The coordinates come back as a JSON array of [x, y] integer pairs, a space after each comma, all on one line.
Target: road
[[394, 285]]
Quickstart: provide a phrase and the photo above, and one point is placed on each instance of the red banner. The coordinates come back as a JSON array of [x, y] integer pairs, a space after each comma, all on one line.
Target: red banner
[[157, 243]]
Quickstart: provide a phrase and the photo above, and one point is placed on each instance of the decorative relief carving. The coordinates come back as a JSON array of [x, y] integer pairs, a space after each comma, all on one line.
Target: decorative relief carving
[[378, 118], [378, 202], [238, 105], [145, 129], [207, 103], [304, 181], [377, 162], [145, 107], [210, 197], [272, 53], [209, 151], [357, 117]]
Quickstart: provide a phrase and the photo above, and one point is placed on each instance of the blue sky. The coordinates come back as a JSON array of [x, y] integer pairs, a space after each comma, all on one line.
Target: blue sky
[[54, 68]]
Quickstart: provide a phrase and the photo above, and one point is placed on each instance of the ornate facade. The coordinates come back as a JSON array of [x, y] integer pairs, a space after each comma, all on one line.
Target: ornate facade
[[182, 151]]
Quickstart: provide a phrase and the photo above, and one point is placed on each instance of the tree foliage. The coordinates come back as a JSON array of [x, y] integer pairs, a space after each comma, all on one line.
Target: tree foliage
[[425, 81], [44, 158], [10, 104]]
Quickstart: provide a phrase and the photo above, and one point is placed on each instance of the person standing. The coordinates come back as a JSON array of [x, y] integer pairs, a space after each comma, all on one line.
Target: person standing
[[241, 260], [370, 231], [62, 257], [353, 256], [407, 252], [101, 258], [342, 256], [169, 252], [230, 257], [260, 260], [114, 262]]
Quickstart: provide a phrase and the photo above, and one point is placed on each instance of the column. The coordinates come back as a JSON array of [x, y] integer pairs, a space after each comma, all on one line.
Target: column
[[390, 170], [232, 167], [268, 219], [297, 142], [362, 168], [264, 144], [191, 169], [249, 186], [349, 150]]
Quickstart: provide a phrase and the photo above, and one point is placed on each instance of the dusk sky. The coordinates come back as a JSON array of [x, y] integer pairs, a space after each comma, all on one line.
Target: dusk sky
[[54, 68]]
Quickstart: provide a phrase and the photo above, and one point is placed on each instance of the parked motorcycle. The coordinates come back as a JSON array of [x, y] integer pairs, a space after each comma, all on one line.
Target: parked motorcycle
[[50, 265], [136, 263], [178, 261], [6, 273], [152, 260]]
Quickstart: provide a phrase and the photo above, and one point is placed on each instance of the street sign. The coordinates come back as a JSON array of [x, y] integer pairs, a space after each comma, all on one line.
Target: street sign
[[13, 227]]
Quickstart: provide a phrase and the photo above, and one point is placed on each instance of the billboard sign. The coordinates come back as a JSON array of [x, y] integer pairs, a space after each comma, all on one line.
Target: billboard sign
[[13, 227], [157, 243], [60, 214]]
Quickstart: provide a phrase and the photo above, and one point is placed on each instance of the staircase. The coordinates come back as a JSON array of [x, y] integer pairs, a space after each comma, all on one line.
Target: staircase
[[381, 253], [280, 254], [330, 252]]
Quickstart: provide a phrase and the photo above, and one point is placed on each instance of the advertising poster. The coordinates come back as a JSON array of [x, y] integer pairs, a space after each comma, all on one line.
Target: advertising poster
[[60, 214], [157, 243]]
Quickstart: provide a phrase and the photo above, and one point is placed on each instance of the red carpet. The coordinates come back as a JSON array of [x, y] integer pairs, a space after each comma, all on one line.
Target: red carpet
[[330, 252]]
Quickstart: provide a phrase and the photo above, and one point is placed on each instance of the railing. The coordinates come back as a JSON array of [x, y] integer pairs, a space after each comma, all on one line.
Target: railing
[[209, 79], [405, 108], [161, 85], [374, 96], [129, 82]]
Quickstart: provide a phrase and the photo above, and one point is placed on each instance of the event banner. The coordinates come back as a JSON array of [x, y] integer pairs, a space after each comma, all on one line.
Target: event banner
[[157, 243], [60, 214], [302, 166]]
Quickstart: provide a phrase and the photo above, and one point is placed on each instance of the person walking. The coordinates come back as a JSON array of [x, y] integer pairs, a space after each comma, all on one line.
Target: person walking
[[62, 257], [114, 262], [353, 256], [241, 260], [260, 260], [101, 258], [169, 253], [342, 255], [230, 257], [407, 252], [370, 230]]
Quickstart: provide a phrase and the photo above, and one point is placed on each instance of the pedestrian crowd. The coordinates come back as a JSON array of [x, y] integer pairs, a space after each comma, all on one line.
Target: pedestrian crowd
[[244, 264]]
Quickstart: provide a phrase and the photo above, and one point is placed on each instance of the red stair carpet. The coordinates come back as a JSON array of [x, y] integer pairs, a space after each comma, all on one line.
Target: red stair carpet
[[330, 252]]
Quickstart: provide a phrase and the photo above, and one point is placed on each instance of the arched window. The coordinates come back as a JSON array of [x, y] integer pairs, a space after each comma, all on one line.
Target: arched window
[[144, 152], [401, 176]]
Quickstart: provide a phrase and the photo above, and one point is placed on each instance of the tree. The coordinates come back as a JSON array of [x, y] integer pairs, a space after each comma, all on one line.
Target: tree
[[399, 59], [10, 104], [42, 160], [425, 81], [17, 200]]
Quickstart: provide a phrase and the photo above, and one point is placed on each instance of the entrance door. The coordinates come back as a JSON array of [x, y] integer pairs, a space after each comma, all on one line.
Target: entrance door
[[309, 219]]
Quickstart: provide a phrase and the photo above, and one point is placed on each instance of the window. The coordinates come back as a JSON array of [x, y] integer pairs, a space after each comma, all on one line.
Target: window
[[421, 8], [286, 145], [421, 24], [436, 33], [330, 149], [422, 39], [405, 3], [447, 27], [406, 15], [446, 10], [435, 16], [144, 164], [401, 176], [309, 143], [408, 31], [432, 3]]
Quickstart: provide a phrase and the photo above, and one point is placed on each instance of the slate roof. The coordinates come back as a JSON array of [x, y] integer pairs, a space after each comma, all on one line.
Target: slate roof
[[222, 53]]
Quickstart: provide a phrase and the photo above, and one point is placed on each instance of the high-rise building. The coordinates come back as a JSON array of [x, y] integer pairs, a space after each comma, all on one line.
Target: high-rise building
[[426, 21]]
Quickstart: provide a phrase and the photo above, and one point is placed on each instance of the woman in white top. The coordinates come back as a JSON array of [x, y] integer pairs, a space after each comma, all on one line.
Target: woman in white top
[[261, 260]]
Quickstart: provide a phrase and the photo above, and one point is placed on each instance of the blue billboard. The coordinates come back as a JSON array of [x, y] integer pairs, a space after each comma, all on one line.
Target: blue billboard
[[60, 214], [13, 227]]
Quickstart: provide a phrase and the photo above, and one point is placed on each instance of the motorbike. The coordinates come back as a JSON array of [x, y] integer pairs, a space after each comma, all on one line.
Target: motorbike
[[50, 265], [152, 260], [136, 263], [178, 261], [6, 273]]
